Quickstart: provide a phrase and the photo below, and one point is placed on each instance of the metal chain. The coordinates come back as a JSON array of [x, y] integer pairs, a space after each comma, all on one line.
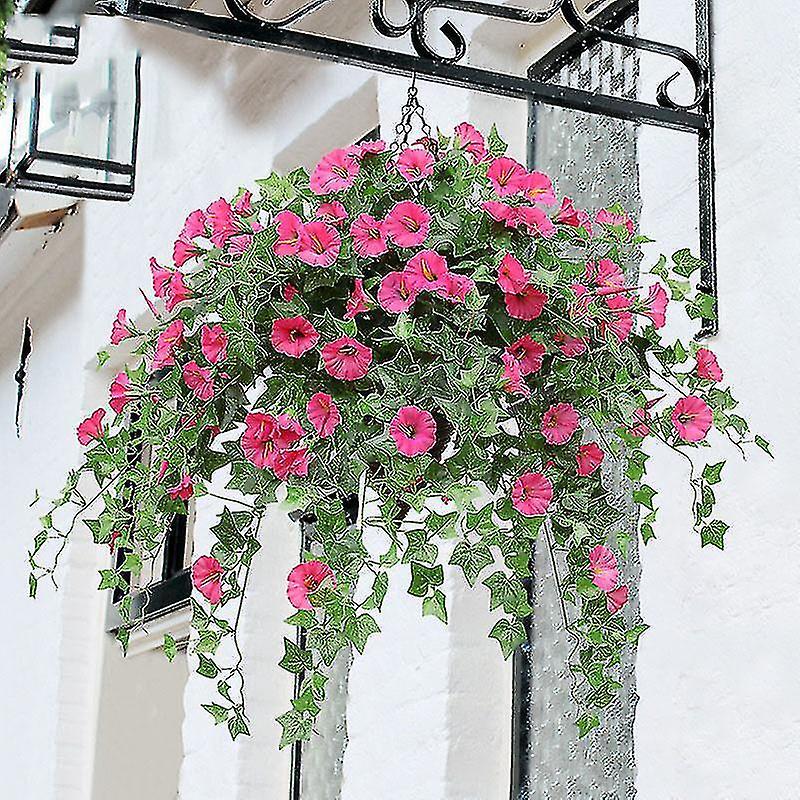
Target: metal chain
[[413, 108]]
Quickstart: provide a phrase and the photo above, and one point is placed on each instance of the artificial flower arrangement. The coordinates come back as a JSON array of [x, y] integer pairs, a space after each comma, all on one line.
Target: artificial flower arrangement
[[421, 341]]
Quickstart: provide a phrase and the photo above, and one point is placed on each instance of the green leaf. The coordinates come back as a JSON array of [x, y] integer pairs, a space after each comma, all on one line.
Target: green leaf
[[376, 597], [507, 592], [33, 584], [435, 606], [295, 659], [764, 445], [685, 263], [207, 668], [472, 558], [587, 723], [703, 305], [586, 588], [423, 578], [508, 634], [132, 564], [296, 728], [169, 647], [220, 713], [108, 579], [207, 643], [644, 496], [712, 473], [714, 534], [302, 619], [358, 630], [102, 357], [237, 726], [495, 144], [632, 636]]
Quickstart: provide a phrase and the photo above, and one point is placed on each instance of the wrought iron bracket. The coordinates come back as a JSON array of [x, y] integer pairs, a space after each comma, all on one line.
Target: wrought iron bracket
[[245, 27]]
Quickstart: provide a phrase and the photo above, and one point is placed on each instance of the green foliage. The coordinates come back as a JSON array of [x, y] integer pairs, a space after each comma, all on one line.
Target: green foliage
[[461, 502]]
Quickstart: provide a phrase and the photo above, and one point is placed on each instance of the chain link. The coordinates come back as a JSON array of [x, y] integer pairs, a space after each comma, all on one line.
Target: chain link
[[411, 110]]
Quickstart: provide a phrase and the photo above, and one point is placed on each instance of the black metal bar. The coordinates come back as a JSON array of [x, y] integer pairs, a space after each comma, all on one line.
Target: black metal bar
[[174, 547], [72, 187], [361, 55], [50, 53], [86, 162], [707, 168]]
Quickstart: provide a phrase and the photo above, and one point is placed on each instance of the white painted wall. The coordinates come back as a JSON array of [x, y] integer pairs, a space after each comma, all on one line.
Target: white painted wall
[[720, 703]]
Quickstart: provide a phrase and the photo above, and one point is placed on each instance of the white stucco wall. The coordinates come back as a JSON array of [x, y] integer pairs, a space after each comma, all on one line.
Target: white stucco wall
[[719, 705]]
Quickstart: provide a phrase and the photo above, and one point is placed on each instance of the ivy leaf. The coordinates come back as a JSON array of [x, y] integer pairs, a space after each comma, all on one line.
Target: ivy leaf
[[327, 642], [295, 658], [764, 445], [376, 597], [302, 619], [508, 634], [358, 630], [423, 578], [714, 534], [237, 726], [644, 496], [587, 723], [632, 636], [685, 263], [495, 145], [507, 592], [296, 728], [220, 713], [207, 668], [472, 558], [435, 606], [712, 473], [169, 647]]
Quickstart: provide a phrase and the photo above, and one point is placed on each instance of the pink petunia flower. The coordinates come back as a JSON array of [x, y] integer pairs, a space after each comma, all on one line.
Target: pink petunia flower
[[176, 291], [526, 304], [92, 427], [616, 599], [120, 393], [507, 176], [335, 172], [655, 306], [258, 438], [603, 568], [559, 423], [570, 346], [428, 270], [305, 579], [511, 275], [289, 227], [184, 250], [605, 274], [214, 343], [289, 462], [574, 217], [238, 245], [334, 213], [397, 292], [369, 239], [371, 147], [357, 302], [287, 432], [539, 188], [170, 338], [536, 221], [471, 140], [161, 277], [415, 163], [528, 353], [641, 429], [244, 205], [532, 494], [621, 321], [407, 224], [692, 418], [606, 217], [195, 225], [183, 490], [199, 380], [413, 431], [119, 329], [293, 336], [219, 216], [207, 578], [346, 359], [512, 374], [501, 212], [320, 244], [289, 292], [707, 366], [323, 414], [456, 287], [589, 458]]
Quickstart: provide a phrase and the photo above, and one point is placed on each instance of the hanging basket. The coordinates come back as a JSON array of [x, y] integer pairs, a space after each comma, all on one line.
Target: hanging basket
[[429, 328]]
